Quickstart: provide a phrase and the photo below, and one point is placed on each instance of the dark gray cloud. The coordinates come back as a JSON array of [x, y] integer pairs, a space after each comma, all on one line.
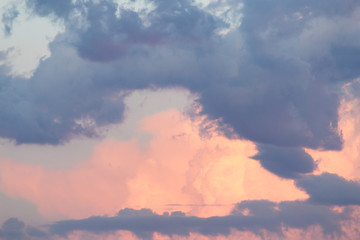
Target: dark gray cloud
[[329, 188], [109, 37], [261, 215], [274, 80], [8, 18], [285, 162], [14, 229]]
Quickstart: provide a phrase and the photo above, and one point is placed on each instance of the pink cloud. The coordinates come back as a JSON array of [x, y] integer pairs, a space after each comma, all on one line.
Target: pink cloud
[[178, 166]]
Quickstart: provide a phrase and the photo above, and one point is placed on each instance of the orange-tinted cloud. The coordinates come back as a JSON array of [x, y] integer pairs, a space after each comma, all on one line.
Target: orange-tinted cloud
[[91, 187], [200, 175]]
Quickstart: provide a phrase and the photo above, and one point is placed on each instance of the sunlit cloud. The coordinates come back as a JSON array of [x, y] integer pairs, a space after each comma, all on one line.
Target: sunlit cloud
[[178, 165]]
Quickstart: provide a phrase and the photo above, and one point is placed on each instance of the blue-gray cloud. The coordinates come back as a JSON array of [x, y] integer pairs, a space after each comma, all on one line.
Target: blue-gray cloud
[[51, 7], [285, 162], [43, 115], [261, 215], [14, 229], [274, 80], [330, 189], [109, 37]]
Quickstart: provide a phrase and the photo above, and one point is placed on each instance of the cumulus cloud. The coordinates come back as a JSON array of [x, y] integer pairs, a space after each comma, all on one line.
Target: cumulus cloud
[[265, 79], [275, 79], [269, 96], [329, 188], [280, 94], [249, 216], [176, 165], [109, 37]]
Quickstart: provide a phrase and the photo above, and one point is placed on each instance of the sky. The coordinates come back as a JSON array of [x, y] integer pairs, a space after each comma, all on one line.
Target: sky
[[182, 119]]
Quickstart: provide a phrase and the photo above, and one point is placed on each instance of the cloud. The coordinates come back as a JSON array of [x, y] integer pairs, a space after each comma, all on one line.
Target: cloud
[[18, 208], [260, 215], [276, 80], [329, 188], [265, 80], [285, 162], [46, 7], [246, 78], [175, 164], [14, 229], [35, 117], [4, 69], [8, 18], [109, 37], [328, 161], [280, 95]]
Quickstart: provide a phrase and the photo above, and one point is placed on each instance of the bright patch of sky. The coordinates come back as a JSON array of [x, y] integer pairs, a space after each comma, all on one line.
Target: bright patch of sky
[[229, 13], [219, 8], [27, 42], [142, 7]]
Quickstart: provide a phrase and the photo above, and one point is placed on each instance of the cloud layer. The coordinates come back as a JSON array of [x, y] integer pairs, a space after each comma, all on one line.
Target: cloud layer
[[260, 215]]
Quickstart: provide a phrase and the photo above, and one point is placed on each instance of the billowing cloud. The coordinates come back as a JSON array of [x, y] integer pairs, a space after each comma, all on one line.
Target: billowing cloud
[[264, 79], [329, 188], [109, 37], [275, 80], [203, 174], [279, 95]]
